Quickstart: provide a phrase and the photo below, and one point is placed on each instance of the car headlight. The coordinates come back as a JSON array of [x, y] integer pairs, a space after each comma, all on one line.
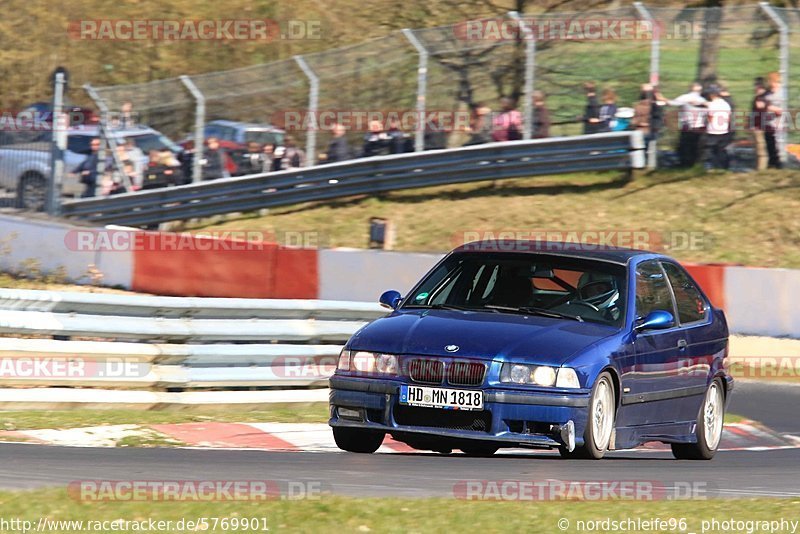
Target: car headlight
[[517, 373], [539, 375], [367, 362]]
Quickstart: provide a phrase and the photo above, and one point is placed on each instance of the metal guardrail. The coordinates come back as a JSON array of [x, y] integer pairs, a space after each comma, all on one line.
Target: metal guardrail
[[492, 161], [267, 342]]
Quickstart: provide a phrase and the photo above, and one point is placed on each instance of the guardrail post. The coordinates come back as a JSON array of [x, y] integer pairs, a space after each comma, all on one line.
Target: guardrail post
[[313, 100], [783, 28], [60, 124], [199, 127], [422, 83], [530, 65], [655, 58], [105, 134]]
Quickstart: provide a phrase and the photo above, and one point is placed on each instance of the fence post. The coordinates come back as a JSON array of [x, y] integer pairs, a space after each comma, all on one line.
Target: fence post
[[313, 101], [783, 28], [422, 87], [109, 139], [60, 123], [530, 65], [655, 57], [199, 127]]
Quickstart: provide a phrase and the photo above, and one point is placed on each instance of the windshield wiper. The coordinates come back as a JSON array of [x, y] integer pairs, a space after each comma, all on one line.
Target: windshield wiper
[[535, 311], [443, 307]]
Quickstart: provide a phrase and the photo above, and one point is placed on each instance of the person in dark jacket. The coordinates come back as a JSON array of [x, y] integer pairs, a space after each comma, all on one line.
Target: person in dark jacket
[[338, 149], [591, 115], [250, 162], [88, 170], [608, 110], [214, 161], [757, 111]]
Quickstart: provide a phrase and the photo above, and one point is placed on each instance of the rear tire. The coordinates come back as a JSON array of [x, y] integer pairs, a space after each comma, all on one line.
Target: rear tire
[[32, 191], [600, 423], [709, 427], [357, 439]]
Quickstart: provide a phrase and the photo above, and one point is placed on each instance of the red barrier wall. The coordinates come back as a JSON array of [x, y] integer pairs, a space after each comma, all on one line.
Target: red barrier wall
[[211, 267], [711, 278]]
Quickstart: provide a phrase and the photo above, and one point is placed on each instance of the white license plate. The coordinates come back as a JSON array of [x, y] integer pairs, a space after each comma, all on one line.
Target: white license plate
[[449, 399]]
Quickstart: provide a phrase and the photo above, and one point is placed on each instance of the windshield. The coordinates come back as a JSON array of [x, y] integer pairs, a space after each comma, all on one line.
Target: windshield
[[262, 138], [153, 141], [534, 284]]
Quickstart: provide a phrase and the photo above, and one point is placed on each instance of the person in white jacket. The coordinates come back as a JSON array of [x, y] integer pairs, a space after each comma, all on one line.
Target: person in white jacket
[[692, 122]]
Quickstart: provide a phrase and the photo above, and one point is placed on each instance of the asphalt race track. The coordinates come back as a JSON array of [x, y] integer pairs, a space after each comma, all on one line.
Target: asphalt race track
[[730, 474]]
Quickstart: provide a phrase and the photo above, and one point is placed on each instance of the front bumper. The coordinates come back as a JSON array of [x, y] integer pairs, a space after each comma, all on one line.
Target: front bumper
[[513, 417]]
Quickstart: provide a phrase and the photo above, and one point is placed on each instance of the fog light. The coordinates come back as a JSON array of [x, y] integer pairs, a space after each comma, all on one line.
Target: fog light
[[348, 413]]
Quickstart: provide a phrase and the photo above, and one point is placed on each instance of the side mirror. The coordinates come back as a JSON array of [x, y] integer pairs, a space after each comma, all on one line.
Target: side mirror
[[391, 299], [657, 320]]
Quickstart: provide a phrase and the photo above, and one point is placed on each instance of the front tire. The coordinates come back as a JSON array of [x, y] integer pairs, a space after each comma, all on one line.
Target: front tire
[[32, 192], [600, 424], [357, 439], [709, 427]]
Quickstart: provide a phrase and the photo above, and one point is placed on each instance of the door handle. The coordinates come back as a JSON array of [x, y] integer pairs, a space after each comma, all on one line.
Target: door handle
[[682, 344]]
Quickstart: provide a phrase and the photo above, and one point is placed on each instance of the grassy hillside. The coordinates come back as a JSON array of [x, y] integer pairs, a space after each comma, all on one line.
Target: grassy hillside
[[742, 218]]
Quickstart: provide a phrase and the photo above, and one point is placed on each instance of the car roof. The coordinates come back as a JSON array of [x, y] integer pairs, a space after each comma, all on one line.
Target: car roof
[[94, 131], [246, 125], [605, 253]]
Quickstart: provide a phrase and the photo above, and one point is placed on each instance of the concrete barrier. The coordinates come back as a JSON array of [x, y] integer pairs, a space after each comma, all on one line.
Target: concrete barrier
[[26, 244], [763, 301], [362, 275]]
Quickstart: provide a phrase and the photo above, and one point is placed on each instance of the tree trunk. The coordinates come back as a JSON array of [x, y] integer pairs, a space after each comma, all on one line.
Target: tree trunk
[[709, 46]]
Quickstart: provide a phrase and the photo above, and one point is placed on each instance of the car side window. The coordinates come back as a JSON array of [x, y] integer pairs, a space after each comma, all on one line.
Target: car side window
[[79, 144], [652, 290], [690, 303]]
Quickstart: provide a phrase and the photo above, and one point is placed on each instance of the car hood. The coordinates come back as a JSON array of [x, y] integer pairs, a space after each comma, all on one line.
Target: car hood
[[483, 335]]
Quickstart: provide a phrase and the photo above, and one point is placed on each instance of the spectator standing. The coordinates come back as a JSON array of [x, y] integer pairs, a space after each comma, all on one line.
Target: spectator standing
[[398, 140], [717, 129], [186, 158], [88, 170], [481, 125], [214, 161], [293, 157], [608, 110], [773, 119], [136, 157], [758, 110], [591, 115], [541, 116], [271, 158], [725, 94], [507, 125], [126, 117], [250, 162], [376, 141], [338, 149], [692, 123]]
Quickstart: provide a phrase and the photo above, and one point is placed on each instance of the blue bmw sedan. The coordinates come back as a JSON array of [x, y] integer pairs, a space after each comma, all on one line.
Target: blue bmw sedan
[[540, 345]]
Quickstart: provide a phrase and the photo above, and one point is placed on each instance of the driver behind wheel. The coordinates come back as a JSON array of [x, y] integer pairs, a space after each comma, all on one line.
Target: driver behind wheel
[[600, 290]]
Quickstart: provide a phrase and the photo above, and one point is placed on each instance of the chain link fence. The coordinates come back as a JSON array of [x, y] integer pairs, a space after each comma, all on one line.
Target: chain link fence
[[426, 86]]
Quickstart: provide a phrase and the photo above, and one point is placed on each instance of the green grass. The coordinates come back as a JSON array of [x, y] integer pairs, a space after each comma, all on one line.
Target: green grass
[[341, 514], [35, 419], [739, 218]]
